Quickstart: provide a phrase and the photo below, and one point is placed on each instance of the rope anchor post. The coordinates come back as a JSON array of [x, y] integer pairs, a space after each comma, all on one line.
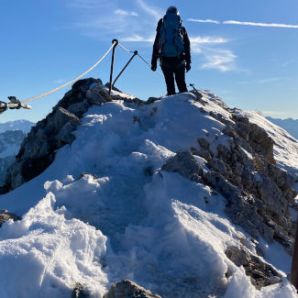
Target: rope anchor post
[[135, 53], [13, 103], [115, 42]]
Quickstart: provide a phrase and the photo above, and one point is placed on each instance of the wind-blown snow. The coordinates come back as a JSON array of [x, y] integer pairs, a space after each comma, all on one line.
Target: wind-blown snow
[[105, 211]]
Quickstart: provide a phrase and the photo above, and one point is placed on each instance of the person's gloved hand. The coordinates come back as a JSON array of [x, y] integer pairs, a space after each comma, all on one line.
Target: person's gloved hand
[[153, 65], [187, 67]]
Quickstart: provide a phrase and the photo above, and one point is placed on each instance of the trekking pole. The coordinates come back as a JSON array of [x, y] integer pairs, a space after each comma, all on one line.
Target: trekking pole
[[193, 86], [115, 42], [294, 270], [198, 94], [135, 53]]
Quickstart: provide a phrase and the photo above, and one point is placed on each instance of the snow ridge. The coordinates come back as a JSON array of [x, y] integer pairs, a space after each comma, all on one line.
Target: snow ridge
[[104, 210]]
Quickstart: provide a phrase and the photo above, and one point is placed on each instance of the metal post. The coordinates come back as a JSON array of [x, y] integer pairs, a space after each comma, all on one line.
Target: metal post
[[135, 53], [294, 271], [3, 106], [115, 42]]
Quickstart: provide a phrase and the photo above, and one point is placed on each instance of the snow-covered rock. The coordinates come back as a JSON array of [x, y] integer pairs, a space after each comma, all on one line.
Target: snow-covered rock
[[128, 289], [52, 133], [165, 194], [5, 216]]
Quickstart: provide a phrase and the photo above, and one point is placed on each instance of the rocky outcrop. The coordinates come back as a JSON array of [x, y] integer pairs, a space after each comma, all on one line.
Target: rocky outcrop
[[128, 289], [5, 216], [258, 193], [56, 130], [47, 136], [186, 165], [79, 291], [260, 273]]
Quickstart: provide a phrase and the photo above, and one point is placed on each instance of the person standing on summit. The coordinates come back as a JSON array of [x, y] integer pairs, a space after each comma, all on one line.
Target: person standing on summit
[[172, 47]]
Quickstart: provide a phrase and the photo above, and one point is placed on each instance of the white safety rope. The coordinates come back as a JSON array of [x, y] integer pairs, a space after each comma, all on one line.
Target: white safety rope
[[27, 100]]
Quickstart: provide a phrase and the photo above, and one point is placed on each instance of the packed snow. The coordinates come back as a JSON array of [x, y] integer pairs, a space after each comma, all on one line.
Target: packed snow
[[105, 211]]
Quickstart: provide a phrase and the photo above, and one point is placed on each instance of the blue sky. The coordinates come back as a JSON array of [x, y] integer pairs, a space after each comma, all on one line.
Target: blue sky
[[244, 51]]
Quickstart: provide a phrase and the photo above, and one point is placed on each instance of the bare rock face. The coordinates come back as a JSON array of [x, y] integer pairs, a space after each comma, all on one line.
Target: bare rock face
[[186, 165], [128, 289], [5, 216], [38, 149], [257, 192], [80, 292], [260, 273]]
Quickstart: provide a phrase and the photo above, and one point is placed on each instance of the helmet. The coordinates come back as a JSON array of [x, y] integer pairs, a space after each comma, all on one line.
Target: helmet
[[172, 10]]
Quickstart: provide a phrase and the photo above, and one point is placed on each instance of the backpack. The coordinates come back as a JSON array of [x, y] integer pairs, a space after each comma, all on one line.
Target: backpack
[[171, 43]]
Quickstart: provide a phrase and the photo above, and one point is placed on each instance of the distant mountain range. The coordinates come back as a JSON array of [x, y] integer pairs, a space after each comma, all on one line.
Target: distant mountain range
[[290, 125], [12, 134], [23, 125], [10, 142]]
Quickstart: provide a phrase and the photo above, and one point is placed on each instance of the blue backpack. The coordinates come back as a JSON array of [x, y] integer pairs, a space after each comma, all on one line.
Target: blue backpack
[[171, 42]]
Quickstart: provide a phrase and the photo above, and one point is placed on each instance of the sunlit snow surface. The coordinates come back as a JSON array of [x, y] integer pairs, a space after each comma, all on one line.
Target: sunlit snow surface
[[104, 211]]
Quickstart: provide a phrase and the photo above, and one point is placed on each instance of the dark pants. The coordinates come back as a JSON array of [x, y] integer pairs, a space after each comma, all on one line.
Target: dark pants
[[173, 69]]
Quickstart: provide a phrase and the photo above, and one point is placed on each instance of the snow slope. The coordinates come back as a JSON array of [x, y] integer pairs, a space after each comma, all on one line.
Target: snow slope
[[104, 211]]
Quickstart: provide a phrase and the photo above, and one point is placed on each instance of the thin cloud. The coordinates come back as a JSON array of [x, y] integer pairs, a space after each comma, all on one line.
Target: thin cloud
[[204, 21], [125, 13], [222, 60], [201, 44], [256, 24], [200, 40], [98, 22], [152, 11], [105, 19], [138, 38], [242, 23]]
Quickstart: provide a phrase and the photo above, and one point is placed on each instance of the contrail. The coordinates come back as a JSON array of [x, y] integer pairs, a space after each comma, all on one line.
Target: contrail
[[240, 23], [255, 24], [204, 21]]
